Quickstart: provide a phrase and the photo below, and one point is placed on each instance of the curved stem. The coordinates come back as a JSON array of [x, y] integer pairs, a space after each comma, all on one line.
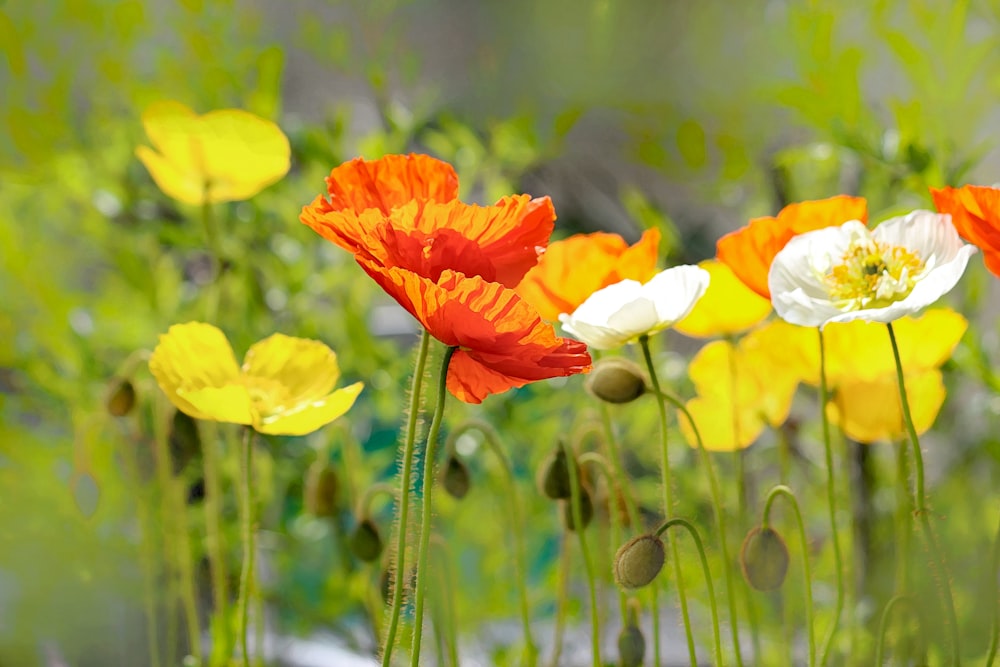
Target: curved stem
[[370, 494], [406, 470], [246, 511], [782, 490], [492, 439], [720, 518], [923, 511], [684, 523], [668, 503], [831, 501], [426, 504], [574, 485], [883, 623], [616, 532]]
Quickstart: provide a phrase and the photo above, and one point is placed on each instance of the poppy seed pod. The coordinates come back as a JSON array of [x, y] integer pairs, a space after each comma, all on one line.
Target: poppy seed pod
[[321, 487], [639, 560], [121, 397], [616, 380], [455, 477], [554, 480], [366, 541], [586, 511], [764, 559], [631, 646]]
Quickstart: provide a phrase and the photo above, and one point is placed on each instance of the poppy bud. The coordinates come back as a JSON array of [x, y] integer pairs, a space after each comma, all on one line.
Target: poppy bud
[[185, 441], [121, 397], [631, 646], [555, 475], [586, 511], [616, 380], [365, 541], [639, 560], [764, 559], [320, 494], [455, 477]]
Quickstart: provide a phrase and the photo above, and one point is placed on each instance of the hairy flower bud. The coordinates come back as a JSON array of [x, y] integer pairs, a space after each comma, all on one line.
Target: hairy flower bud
[[616, 380], [366, 541], [639, 560], [320, 492], [121, 397], [631, 646], [455, 477], [554, 479], [764, 559], [586, 511]]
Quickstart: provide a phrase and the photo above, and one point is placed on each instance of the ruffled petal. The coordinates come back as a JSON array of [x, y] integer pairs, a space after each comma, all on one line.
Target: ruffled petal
[[389, 182], [304, 370]]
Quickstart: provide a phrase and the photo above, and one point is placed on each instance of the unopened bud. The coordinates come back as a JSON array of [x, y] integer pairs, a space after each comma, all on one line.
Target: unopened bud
[[638, 561], [320, 492], [555, 481], [121, 397], [616, 380], [586, 511], [631, 646], [764, 559], [365, 541], [455, 477], [185, 441]]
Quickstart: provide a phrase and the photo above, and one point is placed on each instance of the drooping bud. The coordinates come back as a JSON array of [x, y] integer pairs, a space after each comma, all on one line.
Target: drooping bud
[[320, 491], [366, 541], [631, 646], [121, 397], [455, 477], [586, 511], [616, 380], [764, 559], [554, 479], [184, 441], [639, 560]]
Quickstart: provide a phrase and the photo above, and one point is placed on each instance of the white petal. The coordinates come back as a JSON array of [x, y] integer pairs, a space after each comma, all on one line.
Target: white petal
[[674, 292], [928, 234]]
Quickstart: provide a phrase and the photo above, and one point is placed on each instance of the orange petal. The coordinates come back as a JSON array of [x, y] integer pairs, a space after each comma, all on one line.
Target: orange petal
[[390, 181], [975, 212]]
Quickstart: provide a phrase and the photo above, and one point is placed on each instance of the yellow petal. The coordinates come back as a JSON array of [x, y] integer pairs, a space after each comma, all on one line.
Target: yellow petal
[[869, 411], [721, 430], [229, 404], [192, 357], [728, 306], [308, 417], [283, 372], [243, 154], [176, 164]]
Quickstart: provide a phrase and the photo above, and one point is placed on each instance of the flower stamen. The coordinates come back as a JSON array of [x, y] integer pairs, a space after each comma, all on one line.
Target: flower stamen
[[873, 274]]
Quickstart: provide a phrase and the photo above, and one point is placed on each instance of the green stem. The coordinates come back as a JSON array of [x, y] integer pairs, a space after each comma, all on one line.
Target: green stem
[[369, 496], [218, 575], [782, 490], [562, 601], [406, 470], [720, 519], [446, 609], [247, 530], [831, 498], [883, 624], [616, 532], [668, 503], [684, 523], [903, 522], [215, 258], [580, 530], [426, 505], [995, 635], [492, 439], [923, 511]]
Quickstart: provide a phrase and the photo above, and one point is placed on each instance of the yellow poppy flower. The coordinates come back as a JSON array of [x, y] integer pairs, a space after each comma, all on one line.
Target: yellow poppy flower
[[728, 306], [869, 410], [285, 386], [225, 155]]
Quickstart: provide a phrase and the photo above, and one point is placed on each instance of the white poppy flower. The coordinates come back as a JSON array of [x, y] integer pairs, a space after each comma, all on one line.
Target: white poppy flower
[[619, 313], [839, 274]]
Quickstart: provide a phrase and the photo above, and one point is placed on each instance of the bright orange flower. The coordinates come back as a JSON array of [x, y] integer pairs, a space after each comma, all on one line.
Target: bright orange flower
[[502, 341], [402, 211], [975, 212], [572, 269], [750, 250]]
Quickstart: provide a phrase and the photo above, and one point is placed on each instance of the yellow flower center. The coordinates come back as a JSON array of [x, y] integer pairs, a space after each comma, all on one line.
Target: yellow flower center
[[268, 396], [873, 275]]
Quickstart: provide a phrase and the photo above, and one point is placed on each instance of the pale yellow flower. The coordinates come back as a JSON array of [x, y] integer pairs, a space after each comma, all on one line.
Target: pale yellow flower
[[870, 411], [225, 155], [285, 386], [728, 306]]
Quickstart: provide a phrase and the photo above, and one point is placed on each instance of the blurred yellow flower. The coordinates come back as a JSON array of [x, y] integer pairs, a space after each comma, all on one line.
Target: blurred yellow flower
[[869, 410], [728, 306], [285, 386], [225, 155]]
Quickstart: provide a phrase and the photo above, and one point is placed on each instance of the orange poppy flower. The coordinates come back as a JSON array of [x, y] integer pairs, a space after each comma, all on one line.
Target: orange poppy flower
[[572, 269], [750, 250], [975, 212], [401, 211], [502, 341]]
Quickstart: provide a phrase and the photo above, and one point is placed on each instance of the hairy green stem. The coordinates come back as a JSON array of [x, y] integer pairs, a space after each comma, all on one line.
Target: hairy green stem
[[883, 624]]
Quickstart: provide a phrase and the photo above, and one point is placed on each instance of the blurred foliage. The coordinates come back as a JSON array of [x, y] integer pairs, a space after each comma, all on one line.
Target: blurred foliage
[[743, 106]]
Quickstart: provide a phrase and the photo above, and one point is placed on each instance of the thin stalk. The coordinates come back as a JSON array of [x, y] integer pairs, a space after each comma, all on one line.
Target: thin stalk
[[247, 530], [903, 522], [782, 490], [720, 520], [883, 624], [831, 501], [561, 602], [217, 571], [616, 532], [406, 470], [492, 439], [995, 635], [923, 511], [580, 530], [215, 258], [446, 607], [684, 523], [668, 502], [426, 505]]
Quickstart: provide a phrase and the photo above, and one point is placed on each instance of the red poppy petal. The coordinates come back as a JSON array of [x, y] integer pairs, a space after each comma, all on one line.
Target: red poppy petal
[[390, 181]]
